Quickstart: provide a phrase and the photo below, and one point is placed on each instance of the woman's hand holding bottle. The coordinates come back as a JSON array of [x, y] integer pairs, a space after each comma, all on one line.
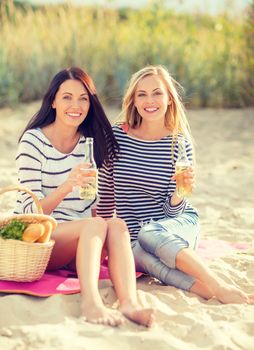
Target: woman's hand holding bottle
[[184, 172], [185, 181], [82, 175], [89, 190]]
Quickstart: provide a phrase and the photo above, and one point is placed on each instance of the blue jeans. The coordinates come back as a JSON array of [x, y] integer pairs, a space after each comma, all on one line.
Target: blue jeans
[[158, 244]]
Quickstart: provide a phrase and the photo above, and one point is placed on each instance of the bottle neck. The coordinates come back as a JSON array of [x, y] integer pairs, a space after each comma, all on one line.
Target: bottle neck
[[182, 155], [89, 152]]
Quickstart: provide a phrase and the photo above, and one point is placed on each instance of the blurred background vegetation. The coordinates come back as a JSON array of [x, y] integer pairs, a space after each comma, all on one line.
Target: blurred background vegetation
[[211, 56]]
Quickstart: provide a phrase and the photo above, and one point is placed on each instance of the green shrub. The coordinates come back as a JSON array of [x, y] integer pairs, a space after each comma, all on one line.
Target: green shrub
[[207, 55]]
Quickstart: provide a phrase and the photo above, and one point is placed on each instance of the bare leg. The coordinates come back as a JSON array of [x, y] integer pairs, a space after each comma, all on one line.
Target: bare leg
[[208, 283], [159, 241], [84, 239], [122, 273]]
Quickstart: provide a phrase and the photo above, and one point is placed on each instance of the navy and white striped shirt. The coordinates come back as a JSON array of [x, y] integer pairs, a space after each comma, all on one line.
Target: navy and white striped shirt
[[137, 186], [42, 168]]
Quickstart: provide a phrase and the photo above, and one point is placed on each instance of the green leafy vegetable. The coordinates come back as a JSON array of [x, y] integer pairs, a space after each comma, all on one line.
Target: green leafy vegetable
[[13, 230]]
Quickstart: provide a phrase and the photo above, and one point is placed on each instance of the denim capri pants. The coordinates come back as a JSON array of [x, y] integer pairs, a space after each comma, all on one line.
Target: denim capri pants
[[158, 244]]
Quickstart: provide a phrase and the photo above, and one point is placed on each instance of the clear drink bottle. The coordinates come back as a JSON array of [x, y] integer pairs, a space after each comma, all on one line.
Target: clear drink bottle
[[182, 164], [89, 191]]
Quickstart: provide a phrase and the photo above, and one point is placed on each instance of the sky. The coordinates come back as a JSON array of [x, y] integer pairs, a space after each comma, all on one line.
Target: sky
[[204, 6]]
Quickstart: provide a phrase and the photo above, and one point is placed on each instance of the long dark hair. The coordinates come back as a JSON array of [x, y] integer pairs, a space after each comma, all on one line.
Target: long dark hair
[[96, 123]]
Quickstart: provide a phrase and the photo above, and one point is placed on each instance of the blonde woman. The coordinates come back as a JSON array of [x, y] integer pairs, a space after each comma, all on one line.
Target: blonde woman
[[140, 186]]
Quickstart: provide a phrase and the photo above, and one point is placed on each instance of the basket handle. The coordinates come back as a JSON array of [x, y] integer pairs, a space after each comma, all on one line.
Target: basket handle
[[24, 189]]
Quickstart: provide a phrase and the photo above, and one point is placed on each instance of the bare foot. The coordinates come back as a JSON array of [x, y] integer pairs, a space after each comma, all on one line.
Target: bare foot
[[135, 313], [227, 294], [251, 298], [99, 314]]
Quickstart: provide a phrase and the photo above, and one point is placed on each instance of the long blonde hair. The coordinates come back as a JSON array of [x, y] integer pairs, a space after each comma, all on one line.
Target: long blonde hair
[[175, 117]]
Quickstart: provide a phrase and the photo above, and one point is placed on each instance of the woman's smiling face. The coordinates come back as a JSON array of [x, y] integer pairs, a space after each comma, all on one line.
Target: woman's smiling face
[[71, 103], [151, 98]]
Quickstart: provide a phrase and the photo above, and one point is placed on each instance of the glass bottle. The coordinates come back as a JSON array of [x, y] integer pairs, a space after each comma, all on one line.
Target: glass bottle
[[182, 164], [89, 191]]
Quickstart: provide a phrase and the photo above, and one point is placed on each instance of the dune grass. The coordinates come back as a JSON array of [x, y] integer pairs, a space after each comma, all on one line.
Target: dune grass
[[209, 56]]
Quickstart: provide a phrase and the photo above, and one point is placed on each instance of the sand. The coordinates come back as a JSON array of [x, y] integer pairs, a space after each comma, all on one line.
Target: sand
[[224, 198]]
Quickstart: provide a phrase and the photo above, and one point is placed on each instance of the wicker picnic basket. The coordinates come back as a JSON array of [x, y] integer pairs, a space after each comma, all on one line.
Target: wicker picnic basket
[[24, 261]]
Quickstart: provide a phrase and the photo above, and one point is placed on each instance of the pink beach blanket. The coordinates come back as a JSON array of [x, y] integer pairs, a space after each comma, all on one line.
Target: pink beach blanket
[[210, 249], [66, 282], [51, 283]]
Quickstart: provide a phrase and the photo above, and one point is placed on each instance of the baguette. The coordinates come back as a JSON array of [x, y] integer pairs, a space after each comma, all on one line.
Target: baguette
[[48, 227], [33, 232]]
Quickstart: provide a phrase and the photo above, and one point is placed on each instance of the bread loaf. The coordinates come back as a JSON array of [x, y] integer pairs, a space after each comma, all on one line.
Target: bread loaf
[[48, 226], [33, 232]]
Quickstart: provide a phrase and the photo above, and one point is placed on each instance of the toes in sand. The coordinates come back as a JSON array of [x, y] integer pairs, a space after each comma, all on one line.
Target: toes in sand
[[144, 317], [101, 315], [232, 295]]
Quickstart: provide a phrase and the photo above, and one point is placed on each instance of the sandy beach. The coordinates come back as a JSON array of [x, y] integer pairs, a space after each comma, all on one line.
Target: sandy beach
[[224, 198]]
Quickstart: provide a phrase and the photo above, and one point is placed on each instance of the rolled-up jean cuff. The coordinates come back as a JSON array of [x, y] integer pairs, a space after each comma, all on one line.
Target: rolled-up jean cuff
[[152, 265], [171, 252], [187, 283]]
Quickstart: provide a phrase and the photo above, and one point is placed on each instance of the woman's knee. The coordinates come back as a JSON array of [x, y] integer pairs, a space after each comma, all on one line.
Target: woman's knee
[[144, 232], [116, 222], [118, 228], [148, 237], [144, 261], [99, 221], [93, 225], [117, 225]]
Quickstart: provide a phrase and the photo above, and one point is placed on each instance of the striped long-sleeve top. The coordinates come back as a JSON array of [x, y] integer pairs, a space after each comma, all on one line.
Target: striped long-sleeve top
[[137, 185], [42, 168]]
